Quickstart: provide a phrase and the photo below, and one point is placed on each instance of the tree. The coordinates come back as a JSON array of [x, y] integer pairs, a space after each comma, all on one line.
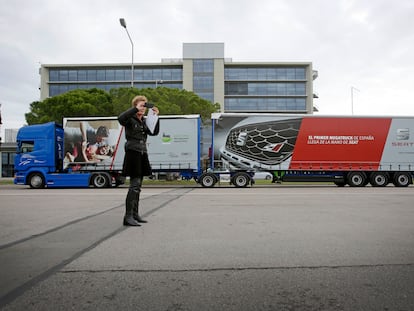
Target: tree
[[169, 101], [96, 102], [76, 103]]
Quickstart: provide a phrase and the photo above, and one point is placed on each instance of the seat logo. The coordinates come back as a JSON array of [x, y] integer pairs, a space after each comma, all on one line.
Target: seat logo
[[241, 139], [274, 147]]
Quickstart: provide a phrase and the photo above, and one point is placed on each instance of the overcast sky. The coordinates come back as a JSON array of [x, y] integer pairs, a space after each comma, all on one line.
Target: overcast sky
[[366, 44]]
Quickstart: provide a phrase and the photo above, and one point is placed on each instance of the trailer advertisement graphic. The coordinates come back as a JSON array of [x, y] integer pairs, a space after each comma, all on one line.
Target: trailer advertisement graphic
[[337, 140], [332, 143], [177, 145], [92, 141]]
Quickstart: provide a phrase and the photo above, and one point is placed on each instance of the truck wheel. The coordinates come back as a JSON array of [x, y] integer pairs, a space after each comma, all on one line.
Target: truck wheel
[[339, 183], [402, 179], [379, 179], [208, 180], [36, 181], [357, 179], [240, 180], [119, 180], [100, 180]]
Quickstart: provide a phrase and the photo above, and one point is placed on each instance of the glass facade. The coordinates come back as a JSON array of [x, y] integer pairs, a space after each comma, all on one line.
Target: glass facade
[[7, 164], [244, 87], [62, 80], [114, 74], [265, 104], [203, 78], [272, 88], [266, 88], [265, 73]]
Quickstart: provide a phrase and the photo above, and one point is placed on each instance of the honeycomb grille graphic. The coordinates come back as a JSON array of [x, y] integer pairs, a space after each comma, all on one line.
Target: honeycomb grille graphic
[[267, 143]]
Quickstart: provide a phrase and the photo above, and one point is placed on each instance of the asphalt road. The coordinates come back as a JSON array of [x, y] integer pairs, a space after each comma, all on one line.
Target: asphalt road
[[259, 248]]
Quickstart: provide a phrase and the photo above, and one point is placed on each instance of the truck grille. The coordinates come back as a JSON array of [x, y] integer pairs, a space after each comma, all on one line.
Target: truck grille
[[268, 143]]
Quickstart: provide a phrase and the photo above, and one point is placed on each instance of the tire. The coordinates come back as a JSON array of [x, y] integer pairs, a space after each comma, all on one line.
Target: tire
[[119, 180], [340, 183], [402, 179], [357, 179], [240, 180], [36, 181], [379, 179], [207, 180], [100, 180]]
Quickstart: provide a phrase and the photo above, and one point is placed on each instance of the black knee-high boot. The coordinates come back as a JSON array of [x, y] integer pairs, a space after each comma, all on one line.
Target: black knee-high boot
[[135, 211], [131, 202], [136, 216]]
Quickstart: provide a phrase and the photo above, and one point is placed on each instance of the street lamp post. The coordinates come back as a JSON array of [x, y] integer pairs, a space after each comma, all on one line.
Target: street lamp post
[[123, 24], [352, 98]]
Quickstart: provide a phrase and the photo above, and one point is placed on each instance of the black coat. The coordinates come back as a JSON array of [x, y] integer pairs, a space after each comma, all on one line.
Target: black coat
[[136, 131], [136, 162]]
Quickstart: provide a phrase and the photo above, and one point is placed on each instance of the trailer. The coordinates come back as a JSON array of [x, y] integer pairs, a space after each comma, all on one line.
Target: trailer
[[346, 150], [178, 147]]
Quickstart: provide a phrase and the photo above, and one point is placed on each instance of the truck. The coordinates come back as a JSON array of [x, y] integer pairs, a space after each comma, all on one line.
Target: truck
[[89, 151], [345, 150]]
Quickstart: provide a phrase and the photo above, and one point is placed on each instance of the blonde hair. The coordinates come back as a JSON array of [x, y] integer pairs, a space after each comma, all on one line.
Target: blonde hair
[[138, 98]]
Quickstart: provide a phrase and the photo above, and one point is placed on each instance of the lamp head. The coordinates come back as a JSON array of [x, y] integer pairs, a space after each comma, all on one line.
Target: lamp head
[[123, 22]]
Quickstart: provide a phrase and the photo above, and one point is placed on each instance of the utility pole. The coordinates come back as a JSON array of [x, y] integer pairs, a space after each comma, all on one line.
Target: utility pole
[[352, 98]]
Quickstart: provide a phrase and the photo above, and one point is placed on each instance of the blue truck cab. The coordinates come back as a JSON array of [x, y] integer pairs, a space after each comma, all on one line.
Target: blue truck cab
[[39, 158]]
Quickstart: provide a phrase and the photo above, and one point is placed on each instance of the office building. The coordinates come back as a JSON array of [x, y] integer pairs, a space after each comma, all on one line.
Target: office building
[[279, 87]]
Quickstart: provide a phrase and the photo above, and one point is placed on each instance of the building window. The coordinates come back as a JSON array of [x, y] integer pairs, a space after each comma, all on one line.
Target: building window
[[72, 75], [203, 66], [82, 76], [265, 104], [100, 75], [63, 75], [157, 74], [105, 78], [120, 75], [176, 74], [148, 76], [7, 164], [265, 73], [203, 78], [265, 88], [53, 75], [91, 75], [300, 73], [203, 83]]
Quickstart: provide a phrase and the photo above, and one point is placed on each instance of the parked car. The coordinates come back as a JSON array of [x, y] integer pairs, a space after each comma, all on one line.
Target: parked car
[[262, 176]]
